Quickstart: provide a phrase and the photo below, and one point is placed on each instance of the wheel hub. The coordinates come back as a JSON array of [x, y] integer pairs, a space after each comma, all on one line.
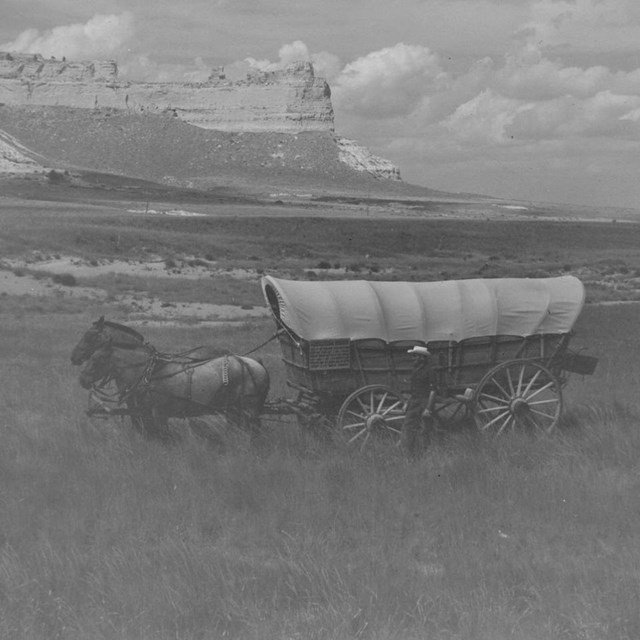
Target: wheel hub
[[518, 406], [374, 421]]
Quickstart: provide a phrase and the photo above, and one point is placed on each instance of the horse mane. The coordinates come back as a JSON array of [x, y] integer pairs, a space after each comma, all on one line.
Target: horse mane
[[122, 327]]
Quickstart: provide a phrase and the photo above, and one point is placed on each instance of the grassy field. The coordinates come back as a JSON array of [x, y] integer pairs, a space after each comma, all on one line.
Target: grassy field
[[105, 535]]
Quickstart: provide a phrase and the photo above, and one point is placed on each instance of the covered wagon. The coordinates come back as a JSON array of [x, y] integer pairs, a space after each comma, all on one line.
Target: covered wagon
[[500, 348]]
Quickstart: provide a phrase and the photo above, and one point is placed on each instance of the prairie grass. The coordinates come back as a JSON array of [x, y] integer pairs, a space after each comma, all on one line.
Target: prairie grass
[[106, 535], [605, 256], [215, 290]]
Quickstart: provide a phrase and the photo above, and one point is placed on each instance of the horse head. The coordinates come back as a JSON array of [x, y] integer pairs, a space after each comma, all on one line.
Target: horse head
[[97, 367], [100, 333], [92, 340]]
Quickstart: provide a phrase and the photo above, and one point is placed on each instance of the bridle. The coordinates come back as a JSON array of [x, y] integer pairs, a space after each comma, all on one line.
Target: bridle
[[139, 384]]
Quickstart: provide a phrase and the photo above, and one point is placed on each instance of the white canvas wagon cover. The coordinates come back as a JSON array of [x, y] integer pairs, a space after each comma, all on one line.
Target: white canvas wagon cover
[[425, 311]]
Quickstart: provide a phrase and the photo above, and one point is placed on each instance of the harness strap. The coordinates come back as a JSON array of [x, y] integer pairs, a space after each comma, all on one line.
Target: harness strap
[[145, 378], [266, 342], [225, 371], [189, 383]]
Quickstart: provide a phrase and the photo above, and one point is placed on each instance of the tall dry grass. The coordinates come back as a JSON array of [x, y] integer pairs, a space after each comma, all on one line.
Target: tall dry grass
[[106, 535]]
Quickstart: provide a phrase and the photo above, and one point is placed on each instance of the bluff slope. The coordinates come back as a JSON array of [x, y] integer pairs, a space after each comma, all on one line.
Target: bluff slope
[[162, 148]]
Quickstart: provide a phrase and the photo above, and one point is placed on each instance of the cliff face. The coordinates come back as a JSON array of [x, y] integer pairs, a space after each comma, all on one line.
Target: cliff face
[[290, 100], [60, 113], [14, 158], [361, 159]]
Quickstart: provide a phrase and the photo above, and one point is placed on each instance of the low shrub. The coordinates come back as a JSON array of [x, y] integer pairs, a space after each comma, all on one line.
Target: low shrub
[[65, 279]]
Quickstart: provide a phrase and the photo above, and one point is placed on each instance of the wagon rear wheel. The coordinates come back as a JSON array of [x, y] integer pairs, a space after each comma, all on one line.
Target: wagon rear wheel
[[371, 414], [518, 394]]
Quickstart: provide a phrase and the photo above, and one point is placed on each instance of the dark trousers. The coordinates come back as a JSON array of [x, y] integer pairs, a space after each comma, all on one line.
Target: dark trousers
[[416, 430]]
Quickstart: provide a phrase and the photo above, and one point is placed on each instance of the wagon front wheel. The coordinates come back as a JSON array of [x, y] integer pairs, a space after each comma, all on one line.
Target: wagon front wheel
[[518, 394], [372, 414]]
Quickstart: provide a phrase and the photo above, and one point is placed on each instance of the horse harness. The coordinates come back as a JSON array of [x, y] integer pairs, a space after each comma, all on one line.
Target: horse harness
[[143, 381], [191, 368]]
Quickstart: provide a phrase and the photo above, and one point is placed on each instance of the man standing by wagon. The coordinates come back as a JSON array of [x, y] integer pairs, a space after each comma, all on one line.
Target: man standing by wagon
[[418, 423]]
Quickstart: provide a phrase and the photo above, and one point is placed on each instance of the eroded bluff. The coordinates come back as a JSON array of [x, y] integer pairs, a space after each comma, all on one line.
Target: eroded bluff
[[288, 100]]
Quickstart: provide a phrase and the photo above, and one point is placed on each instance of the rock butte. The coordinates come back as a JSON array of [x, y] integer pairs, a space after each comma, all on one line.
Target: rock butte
[[288, 100], [284, 100]]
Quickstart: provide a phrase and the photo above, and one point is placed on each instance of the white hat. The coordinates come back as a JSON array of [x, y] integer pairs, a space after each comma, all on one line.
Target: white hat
[[419, 351]]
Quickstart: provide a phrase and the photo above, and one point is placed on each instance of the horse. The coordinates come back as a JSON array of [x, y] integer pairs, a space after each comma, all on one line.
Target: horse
[[103, 332], [159, 386]]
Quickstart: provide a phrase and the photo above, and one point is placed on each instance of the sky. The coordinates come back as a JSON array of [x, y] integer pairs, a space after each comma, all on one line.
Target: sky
[[534, 100]]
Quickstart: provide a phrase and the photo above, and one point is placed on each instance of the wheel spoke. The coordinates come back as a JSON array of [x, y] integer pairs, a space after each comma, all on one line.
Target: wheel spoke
[[355, 414], [395, 417], [357, 435], [542, 413], [540, 390], [392, 407], [491, 409], [510, 381], [382, 400], [364, 442], [532, 382], [521, 379], [503, 401], [504, 392], [354, 425], [544, 423], [392, 430], [537, 402], [494, 420], [504, 425]]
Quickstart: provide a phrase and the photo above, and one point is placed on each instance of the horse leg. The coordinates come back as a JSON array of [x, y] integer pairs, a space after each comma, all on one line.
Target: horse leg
[[155, 425], [135, 416], [161, 425], [209, 434]]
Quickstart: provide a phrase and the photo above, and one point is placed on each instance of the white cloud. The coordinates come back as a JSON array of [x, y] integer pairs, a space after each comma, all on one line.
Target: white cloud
[[101, 36], [389, 82], [294, 52], [528, 75], [604, 114], [526, 96], [326, 65], [483, 119], [584, 25]]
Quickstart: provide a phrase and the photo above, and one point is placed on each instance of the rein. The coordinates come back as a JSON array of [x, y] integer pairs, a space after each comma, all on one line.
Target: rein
[[266, 342]]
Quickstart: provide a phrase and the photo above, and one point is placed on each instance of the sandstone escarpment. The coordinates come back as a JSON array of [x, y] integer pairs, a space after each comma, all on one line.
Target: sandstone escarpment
[[272, 126], [289, 100]]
